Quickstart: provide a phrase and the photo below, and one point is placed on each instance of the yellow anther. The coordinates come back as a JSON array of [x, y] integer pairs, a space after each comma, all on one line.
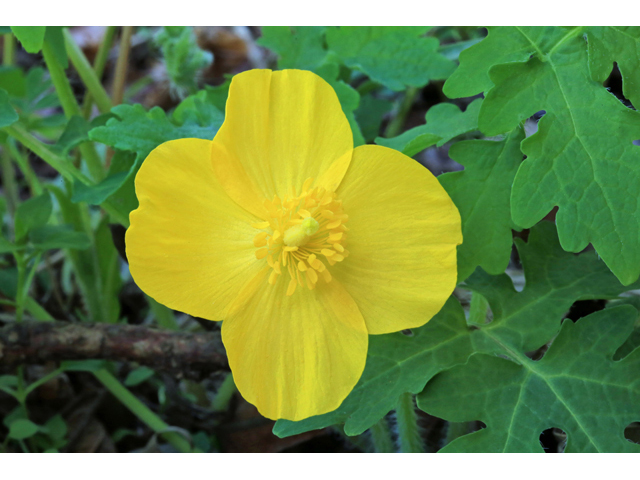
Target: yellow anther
[[338, 247], [276, 235], [292, 287], [334, 224], [290, 249], [298, 235], [337, 257], [277, 268], [304, 213], [327, 253], [312, 276], [273, 277], [261, 253], [328, 214], [312, 258], [302, 266], [260, 240], [335, 237]]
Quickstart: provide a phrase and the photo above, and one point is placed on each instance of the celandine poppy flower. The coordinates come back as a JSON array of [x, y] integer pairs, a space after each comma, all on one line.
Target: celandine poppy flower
[[300, 243]]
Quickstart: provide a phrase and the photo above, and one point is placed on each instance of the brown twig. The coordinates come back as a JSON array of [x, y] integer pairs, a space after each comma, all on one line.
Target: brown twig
[[192, 355]]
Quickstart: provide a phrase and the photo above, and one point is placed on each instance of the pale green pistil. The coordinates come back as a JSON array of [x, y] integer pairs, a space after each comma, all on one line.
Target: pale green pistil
[[298, 235]]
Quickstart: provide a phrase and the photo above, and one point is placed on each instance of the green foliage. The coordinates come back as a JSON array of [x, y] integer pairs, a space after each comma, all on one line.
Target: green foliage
[[8, 115], [31, 38], [576, 387], [445, 121], [297, 47], [481, 192], [582, 158], [22, 428], [35, 212], [394, 56], [183, 57]]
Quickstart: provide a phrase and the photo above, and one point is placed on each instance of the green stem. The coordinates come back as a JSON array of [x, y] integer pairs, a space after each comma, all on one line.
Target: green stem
[[99, 65], [224, 394], [163, 315], [381, 436], [9, 181], [142, 411], [121, 65], [478, 309], [395, 126], [9, 49], [367, 86], [63, 166], [20, 395], [87, 74], [41, 381], [71, 108], [23, 163], [408, 430]]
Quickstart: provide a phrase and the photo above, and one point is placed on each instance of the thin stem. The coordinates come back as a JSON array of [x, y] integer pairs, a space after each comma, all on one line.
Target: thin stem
[[121, 65], [381, 436], [20, 395], [409, 436], [41, 381], [64, 167], [9, 49], [99, 65], [23, 163], [163, 315], [71, 108], [9, 181], [395, 126], [224, 394], [142, 411], [87, 74]]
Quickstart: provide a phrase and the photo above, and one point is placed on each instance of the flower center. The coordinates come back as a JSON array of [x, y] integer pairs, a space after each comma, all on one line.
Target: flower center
[[303, 232]]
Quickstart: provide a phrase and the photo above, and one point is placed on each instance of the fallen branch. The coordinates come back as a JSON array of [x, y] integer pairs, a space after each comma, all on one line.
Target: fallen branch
[[193, 355]]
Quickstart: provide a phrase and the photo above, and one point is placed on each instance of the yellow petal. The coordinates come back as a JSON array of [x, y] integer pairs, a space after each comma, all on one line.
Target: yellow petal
[[403, 232], [280, 129], [295, 356], [190, 247]]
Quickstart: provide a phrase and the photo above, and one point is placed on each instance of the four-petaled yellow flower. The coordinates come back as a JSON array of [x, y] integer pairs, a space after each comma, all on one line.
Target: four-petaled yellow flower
[[302, 244]]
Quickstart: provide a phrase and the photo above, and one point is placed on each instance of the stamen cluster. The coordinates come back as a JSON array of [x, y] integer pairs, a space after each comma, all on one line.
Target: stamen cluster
[[304, 261]]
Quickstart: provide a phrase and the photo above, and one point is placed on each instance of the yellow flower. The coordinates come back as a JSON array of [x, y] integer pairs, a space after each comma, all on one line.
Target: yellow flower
[[302, 244]]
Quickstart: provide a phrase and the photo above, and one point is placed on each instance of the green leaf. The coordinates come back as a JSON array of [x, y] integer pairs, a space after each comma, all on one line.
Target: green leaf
[[8, 115], [620, 45], [369, 115], [396, 363], [83, 365], [183, 57], [33, 213], [576, 387], [13, 80], [55, 427], [481, 192], [22, 428], [582, 158], [138, 131], [445, 121], [297, 47], [394, 56], [6, 246], [138, 376], [96, 194], [348, 96], [75, 133], [48, 237], [200, 110], [31, 38]]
